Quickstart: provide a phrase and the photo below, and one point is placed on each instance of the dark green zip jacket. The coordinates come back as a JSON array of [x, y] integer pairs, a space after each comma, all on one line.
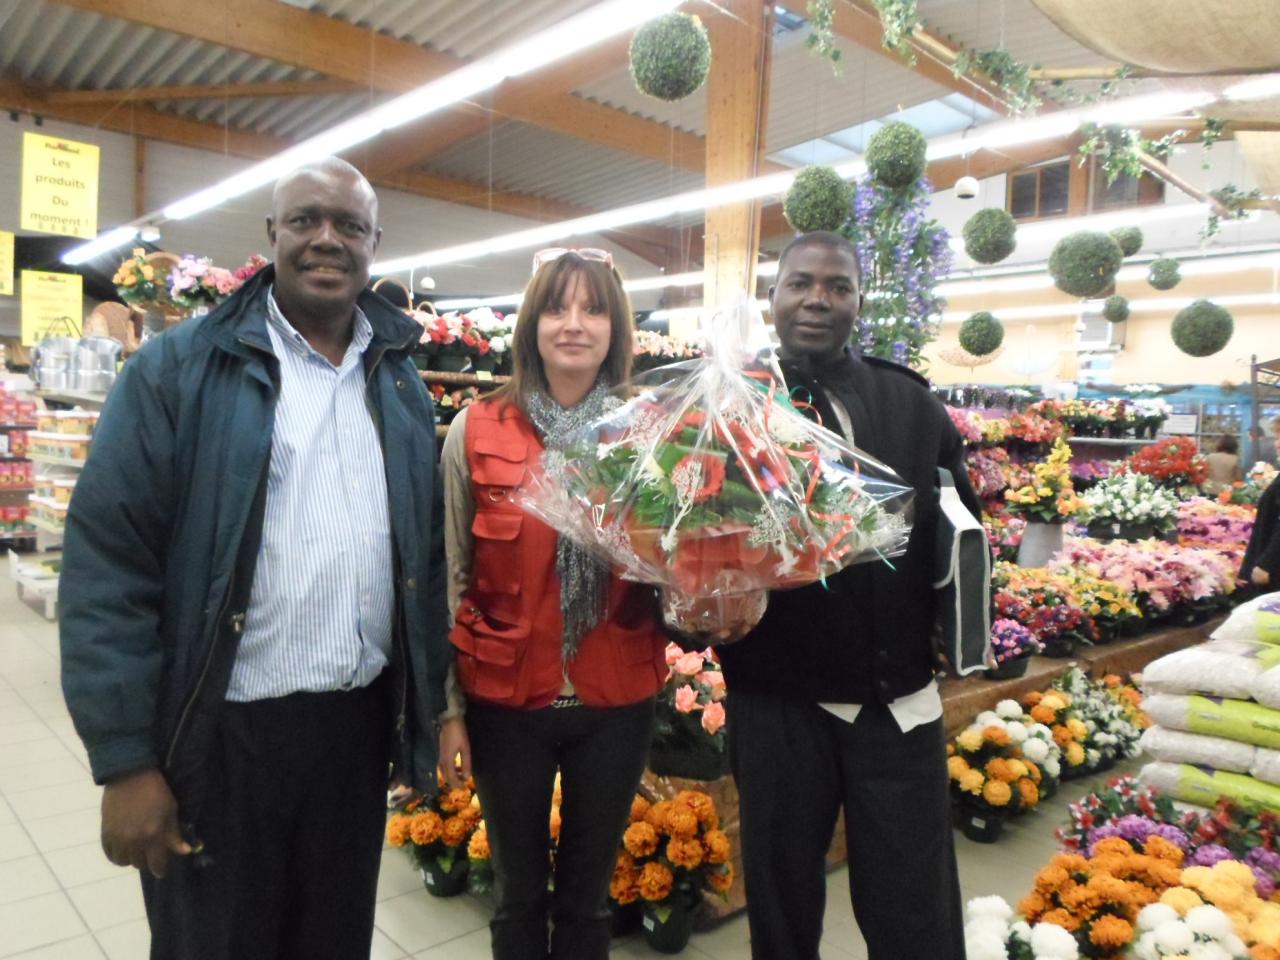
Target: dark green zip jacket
[[164, 529]]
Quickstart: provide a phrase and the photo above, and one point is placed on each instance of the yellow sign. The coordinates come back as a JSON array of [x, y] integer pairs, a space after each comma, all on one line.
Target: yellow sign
[[6, 263], [52, 305], [59, 186]]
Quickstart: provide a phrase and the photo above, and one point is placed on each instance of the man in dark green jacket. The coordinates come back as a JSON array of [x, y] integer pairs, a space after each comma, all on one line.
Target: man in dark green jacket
[[253, 628]]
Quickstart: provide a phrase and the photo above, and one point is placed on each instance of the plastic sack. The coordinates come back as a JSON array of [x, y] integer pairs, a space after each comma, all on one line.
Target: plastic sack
[[1178, 746], [1266, 766], [1224, 668], [1266, 688], [709, 483], [1258, 620], [1205, 785], [1241, 720]]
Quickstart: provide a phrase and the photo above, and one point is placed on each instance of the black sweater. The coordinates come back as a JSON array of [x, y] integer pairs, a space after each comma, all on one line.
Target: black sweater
[[1264, 542], [866, 635]]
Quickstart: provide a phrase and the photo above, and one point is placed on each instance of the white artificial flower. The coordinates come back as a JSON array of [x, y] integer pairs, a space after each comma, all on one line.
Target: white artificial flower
[[1051, 942], [988, 907], [1008, 710], [980, 927], [1021, 930], [1209, 921], [498, 344], [988, 718], [985, 946], [1207, 951], [1235, 946], [1037, 751], [1174, 936], [1154, 915], [1092, 758], [1052, 767], [1041, 731], [1145, 948], [1017, 733]]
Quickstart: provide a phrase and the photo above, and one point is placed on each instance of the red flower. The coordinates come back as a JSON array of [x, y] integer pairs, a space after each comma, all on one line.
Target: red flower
[[708, 469]]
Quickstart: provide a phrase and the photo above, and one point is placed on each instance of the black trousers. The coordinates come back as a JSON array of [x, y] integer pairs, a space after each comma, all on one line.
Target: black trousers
[[795, 765], [292, 836], [601, 753]]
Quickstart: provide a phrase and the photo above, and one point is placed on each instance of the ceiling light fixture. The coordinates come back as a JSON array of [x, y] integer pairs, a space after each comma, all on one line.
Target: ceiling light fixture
[[101, 244]]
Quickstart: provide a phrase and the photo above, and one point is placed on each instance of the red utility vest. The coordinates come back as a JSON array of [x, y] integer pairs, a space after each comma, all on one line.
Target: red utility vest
[[508, 627]]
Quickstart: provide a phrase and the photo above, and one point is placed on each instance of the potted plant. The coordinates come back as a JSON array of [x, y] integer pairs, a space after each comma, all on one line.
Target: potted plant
[[195, 284], [689, 738], [1047, 502], [652, 350], [1129, 506], [437, 834], [990, 780], [1013, 646], [450, 341], [672, 852]]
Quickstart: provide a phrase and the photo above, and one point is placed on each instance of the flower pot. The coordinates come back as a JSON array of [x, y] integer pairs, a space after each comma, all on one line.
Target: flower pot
[[1060, 647], [421, 361], [1136, 531], [1040, 541], [981, 826], [624, 918], [445, 883], [1108, 631], [488, 362], [667, 927], [1009, 669], [449, 362], [695, 764], [1132, 627]]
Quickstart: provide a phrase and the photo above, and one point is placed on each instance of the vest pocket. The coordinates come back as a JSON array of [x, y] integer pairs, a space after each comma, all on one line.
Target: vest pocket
[[489, 653], [497, 562]]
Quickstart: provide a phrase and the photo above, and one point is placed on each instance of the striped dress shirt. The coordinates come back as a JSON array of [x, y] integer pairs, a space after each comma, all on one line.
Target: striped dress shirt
[[320, 610]]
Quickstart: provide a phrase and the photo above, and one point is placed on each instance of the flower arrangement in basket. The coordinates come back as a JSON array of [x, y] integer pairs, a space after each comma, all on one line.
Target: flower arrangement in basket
[[991, 780], [653, 350], [1131, 503], [1049, 497], [1174, 462], [713, 486], [438, 834], [196, 282], [689, 738], [671, 852], [138, 282]]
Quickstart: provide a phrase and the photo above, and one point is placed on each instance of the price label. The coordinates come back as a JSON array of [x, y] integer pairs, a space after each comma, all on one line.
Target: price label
[[484, 375]]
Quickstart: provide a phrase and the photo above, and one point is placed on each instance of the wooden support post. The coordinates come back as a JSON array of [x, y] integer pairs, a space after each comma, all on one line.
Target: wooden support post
[[737, 109], [139, 176]]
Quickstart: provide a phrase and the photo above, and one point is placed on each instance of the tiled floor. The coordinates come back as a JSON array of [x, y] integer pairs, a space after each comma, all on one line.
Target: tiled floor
[[61, 900]]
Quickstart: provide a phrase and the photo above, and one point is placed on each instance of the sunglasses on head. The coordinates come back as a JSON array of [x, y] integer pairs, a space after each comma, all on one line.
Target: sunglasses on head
[[543, 257]]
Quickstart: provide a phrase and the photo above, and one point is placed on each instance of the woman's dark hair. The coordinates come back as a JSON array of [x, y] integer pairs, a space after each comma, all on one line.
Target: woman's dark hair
[[1228, 444]]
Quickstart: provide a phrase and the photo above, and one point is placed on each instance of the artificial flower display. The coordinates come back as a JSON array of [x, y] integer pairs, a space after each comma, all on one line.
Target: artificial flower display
[[1048, 496], [990, 775], [1133, 500], [1010, 640], [1174, 462], [196, 282], [653, 349], [137, 282], [452, 334], [1248, 492], [689, 736], [1214, 525], [438, 833]]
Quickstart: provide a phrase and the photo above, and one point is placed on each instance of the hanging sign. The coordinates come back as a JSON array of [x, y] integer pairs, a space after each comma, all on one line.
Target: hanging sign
[[52, 305], [59, 186], [6, 263]]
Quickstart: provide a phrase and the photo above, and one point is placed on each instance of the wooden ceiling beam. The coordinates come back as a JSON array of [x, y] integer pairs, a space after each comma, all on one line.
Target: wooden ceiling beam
[[146, 122], [202, 91], [376, 61]]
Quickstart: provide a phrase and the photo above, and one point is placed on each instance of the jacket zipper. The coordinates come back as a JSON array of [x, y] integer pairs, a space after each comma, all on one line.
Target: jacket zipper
[[237, 627]]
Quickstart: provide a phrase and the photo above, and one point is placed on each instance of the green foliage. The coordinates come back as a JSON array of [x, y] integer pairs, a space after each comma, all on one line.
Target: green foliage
[[1119, 150], [1129, 239], [899, 18], [1164, 273], [1233, 199], [822, 38], [1202, 328], [1116, 309], [1213, 130], [990, 235], [818, 200], [981, 334], [1010, 74], [1085, 263], [670, 56], [896, 155]]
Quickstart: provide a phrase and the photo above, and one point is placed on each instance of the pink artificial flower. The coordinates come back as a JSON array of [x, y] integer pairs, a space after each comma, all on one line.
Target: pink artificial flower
[[715, 681], [713, 718], [686, 699], [690, 664], [674, 653]]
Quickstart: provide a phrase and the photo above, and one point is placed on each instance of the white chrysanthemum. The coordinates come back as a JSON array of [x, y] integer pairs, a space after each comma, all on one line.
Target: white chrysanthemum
[[1145, 948], [1053, 767], [1017, 732], [1051, 942], [498, 344], [1040, 731], [1208, 921], [988, 718], [1207, 951], [1155, 915], [1008, 709], [988, 907], [1235, 946], [1021, 930], [1037, 751], [979, 927], [1174, 937], [985, 946]]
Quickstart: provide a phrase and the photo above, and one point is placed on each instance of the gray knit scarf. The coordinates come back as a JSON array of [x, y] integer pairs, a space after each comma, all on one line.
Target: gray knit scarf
[[584, 580]]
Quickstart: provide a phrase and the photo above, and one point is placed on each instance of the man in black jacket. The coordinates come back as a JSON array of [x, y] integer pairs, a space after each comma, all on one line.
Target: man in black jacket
[[833, 701], [1261, 564]]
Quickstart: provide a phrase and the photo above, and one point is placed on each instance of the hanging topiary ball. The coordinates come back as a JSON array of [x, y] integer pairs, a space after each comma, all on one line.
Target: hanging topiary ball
[[1084, 264], [895, 155], [1129, 239], [989, 235], [981, 334], [670, 56], [819, 199], [1202, 328], [1165, 273], [1116, 309]]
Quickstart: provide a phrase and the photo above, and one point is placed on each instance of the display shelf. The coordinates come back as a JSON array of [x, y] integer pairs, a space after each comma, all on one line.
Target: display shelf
[[1111, 441], [56, 461], [35, 583], [46, 527], [462, 379], [17, 426], [22, 490], [71, 397]]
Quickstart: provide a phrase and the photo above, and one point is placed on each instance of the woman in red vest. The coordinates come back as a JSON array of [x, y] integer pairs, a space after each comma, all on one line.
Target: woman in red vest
[[558, 658]]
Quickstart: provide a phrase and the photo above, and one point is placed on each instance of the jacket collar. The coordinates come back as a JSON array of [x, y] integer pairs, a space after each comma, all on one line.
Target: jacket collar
[[837, 367], [239, 324]]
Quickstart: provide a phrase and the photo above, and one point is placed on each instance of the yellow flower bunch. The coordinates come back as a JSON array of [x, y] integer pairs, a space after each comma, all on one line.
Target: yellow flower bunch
[[1048, 495], [667, 839], [1230, 886], [136, 280], [988, 770]]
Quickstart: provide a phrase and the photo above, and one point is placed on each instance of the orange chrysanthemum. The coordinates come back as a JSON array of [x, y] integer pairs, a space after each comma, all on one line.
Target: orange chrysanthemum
[[1163, 849], [1062, 918], [1032, 698], [425, 827], [1070, 862], [721, 880], [1062, 736], [1028, 792], [685, 852], [478, 845], [681, 821], [655, 882], [455, 831], [702, 805], [996, 735], [957, 767], [1032, 906], [656, 815], [1111, 932], [640, 840], [1033, 772], [1078, 899], [398, 829], [624, 864], [1042, 714], [625, 888], [1051, 878], [996, 793], [639, 807], [719, 849], [999, 768], [1113, 845], [455, 801], [1263, 951]]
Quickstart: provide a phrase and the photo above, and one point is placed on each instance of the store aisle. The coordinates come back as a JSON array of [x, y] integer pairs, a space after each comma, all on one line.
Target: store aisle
[[60, 899]]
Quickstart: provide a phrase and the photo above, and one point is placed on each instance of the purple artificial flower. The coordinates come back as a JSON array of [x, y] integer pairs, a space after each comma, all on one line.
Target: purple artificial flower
[[1136, 829], [1210, 854]]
